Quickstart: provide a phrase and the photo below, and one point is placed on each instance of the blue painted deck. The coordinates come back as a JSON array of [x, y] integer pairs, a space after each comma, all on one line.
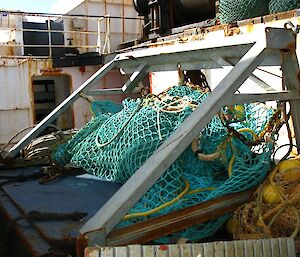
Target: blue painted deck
[[65, 195]]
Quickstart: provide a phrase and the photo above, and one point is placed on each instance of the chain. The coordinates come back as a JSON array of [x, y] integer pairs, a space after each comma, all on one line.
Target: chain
[[272, 127]]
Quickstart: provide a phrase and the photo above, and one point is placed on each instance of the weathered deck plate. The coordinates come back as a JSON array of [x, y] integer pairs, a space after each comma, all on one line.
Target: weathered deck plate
[[65, 195]]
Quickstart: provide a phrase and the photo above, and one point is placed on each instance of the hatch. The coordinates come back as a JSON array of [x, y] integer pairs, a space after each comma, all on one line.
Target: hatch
[[48, 92]]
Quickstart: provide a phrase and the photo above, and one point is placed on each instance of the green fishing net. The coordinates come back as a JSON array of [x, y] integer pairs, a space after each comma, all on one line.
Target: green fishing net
[[283, 5], [236, 10], [113, 146], [105, 106]]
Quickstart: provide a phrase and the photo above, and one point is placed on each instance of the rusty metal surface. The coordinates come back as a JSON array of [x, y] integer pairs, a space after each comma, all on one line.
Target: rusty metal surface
[[154, 228], [204, 30], [63, 196], [80, 25], [16, 241], [15, 112]]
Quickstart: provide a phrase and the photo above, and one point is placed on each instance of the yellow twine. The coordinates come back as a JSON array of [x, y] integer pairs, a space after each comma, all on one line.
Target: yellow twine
[[157, 209]]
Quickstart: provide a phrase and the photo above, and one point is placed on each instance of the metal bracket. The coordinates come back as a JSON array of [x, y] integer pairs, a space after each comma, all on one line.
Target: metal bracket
[[278, 38]]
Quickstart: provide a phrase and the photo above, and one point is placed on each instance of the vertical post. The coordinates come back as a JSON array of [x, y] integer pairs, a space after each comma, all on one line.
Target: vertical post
[[49, 36], [99, 36], [108, 34], [291, 76]]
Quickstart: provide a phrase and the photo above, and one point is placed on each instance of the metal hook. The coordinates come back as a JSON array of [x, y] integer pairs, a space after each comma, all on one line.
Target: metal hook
[[290, 25]]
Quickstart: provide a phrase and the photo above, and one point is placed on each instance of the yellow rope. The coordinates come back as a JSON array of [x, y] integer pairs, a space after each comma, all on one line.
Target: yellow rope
[[217, 154], [201, 190], [157, 209], [230, 166], [232, 160], [255, 137], [276, 211]]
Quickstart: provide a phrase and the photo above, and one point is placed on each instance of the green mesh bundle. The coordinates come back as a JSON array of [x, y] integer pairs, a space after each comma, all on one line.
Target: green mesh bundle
[[236, 10], [105, 106], [283, 5], [114, 146]]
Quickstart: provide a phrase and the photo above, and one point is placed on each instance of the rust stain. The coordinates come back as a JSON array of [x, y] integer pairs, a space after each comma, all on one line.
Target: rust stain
[[51, 72], [11, 50], [163, 247], [31, 90], [123, 22], [280, 16], [86, 24], [81, 244], [71, 91], [291, 45], [250, 28], [231, 30], [91, 251]]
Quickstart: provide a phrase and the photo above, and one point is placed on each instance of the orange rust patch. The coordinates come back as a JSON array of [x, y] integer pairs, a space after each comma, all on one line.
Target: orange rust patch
[[51, 72], [291, 45], [81, 244]]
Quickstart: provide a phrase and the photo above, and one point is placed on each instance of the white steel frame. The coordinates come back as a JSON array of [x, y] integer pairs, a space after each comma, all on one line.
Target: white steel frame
[[271, 46]]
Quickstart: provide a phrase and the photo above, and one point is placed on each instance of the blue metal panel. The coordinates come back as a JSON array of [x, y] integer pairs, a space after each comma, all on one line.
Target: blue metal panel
[[66, 195]]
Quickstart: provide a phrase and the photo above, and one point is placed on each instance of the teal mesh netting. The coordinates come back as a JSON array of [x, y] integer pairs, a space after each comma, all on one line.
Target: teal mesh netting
[[105, 106], [236, 10], [114, 146], [283, 5]]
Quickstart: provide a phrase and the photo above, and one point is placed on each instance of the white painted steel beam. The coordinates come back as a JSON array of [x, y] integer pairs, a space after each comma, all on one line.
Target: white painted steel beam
[[264, 97], [112, 212], [291, 75], [265, 86], [133, 81], [14, 151], [203, 54], [131, 192], [135, 78], [104, 91], [252, 77]]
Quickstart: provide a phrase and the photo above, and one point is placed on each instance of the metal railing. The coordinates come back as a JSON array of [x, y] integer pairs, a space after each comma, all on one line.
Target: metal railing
[[106, 45], [84, 37]]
